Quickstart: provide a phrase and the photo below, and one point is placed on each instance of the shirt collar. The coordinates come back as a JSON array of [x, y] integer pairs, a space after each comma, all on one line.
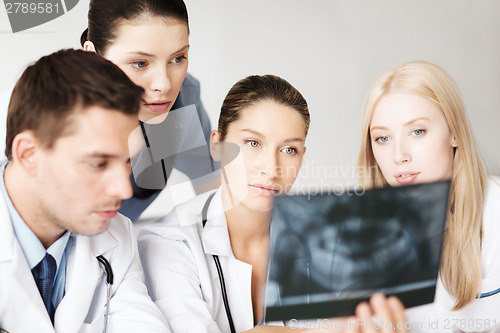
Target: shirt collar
[[32, 248]]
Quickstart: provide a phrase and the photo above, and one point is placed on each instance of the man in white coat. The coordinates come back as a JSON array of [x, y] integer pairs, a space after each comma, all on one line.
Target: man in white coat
[[67, 173]]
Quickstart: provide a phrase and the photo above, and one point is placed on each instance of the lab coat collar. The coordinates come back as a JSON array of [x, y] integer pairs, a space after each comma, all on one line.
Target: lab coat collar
[[83, 274], [215, 235], [12, 256], [7, 238]]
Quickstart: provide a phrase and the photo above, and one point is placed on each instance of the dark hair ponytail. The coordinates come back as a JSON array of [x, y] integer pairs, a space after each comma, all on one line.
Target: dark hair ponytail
[[104, 16]]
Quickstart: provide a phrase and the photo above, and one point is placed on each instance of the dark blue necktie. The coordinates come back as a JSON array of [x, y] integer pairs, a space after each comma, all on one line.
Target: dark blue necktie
[[44, 274]]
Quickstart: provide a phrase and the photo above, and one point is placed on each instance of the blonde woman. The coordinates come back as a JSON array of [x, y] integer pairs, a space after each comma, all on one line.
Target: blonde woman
[[415, 129]]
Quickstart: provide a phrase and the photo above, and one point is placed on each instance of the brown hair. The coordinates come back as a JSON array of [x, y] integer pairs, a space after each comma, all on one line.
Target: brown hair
[[254, 89], [105, 15], [61, 84]]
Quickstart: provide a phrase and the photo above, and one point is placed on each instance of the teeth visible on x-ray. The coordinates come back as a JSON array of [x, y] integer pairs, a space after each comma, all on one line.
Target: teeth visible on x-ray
[[339, 247]]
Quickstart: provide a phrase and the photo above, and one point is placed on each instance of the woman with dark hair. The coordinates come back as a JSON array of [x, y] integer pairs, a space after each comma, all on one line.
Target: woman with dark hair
[[149, 41], [206, 263]]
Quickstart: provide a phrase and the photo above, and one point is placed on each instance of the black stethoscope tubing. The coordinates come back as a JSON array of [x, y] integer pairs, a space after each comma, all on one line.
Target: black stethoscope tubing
[[109, 281], [107, 269], [219, 270], [145, 135]]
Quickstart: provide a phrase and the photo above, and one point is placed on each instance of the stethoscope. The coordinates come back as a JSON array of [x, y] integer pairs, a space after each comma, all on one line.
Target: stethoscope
[[109, 281], [489, 293], [219, 270]]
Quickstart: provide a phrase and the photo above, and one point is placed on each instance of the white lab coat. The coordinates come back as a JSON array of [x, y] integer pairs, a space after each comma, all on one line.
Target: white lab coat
[[182, 279], [481, 313], [82, 308]]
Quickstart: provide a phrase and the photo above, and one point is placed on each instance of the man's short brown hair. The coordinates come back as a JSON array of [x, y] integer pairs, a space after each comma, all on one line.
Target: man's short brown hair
[[58, 86]]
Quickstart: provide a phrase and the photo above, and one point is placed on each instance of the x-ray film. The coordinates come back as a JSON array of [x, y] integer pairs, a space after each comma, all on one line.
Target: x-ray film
[[329, 252]]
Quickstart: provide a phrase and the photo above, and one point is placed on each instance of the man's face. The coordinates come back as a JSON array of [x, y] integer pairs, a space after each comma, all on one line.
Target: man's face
[[83, 178]]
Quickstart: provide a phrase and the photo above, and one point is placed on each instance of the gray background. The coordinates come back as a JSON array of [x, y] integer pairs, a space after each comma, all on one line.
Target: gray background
[[330, 50]]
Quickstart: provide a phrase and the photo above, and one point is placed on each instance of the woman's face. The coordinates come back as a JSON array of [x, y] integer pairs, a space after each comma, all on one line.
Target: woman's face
[[153, 53], [261, 154], [411, 140]]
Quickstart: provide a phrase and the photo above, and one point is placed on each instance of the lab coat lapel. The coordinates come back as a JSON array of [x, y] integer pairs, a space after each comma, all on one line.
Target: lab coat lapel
[[82, 276], [27, 284], [215, 236], [237, 274], [7, 237], [242, 299], [22, 293]]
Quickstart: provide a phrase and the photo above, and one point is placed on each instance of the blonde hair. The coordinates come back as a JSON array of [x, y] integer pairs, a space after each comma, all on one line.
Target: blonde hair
[[461, 259]]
